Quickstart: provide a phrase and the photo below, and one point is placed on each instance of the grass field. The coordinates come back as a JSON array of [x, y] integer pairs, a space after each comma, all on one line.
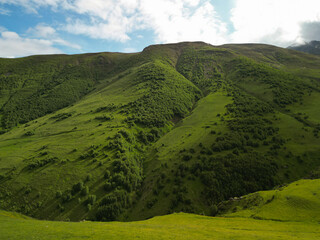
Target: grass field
[[174, 226], [293, 213]]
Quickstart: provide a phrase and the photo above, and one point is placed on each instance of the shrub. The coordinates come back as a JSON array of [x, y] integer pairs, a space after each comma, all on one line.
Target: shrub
[[85, 191], [67, 197], [213, 210], [89, 206], [186, 157], [91, 199], [58, 194], [77, 187], [108, 186], [88, 178], [107, 174], [29, 133]]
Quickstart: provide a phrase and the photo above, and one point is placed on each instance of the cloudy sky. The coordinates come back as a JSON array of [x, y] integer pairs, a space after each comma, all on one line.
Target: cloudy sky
[[30, 27]]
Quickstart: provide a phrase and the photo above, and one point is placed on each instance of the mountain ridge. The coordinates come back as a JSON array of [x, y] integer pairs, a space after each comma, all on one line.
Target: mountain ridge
[[312, 47]]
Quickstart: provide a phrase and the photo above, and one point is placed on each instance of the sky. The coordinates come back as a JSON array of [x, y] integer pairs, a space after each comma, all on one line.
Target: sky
[[29, 27]]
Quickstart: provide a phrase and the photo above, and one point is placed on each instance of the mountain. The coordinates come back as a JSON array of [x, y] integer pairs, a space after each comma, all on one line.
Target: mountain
[[312, 47], [177, 127]]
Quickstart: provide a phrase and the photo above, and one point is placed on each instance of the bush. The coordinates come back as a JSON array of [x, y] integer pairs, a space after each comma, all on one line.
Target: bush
[[67, 197], [186, 157], [88, 178], [77, 187], [213, 210], [58, 194], [29, 133], [107, 174], [91, 199], [85, 191], [108, 186], [89, 206]]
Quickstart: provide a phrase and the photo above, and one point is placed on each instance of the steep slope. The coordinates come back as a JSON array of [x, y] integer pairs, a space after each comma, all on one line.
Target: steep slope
[[239, 138], [177, 127]]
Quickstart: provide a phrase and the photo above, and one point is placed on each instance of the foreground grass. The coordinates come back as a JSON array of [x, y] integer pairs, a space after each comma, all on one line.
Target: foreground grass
[[174, 226]]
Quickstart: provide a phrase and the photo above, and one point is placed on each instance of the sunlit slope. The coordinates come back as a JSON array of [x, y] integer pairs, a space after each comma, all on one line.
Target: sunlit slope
[[175, 226], [245, 135], [299, 201], [97, 141]]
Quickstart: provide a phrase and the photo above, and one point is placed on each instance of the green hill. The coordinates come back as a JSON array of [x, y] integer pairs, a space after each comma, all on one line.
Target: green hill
[[292, 205], [298, 201], [177, 127]]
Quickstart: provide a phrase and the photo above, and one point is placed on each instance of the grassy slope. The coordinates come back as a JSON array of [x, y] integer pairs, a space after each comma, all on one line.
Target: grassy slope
[[299, 201], [68, 141], [175, 226], [165, 185], [165, 156], [294, 210], [149, 83]]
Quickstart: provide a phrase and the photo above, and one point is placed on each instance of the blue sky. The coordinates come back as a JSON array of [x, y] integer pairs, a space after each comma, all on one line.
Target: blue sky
[[29, 27]]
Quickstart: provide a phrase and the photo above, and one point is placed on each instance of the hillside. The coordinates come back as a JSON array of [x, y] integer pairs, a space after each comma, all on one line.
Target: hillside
[[177, 127], [298, 201], [302, 196]]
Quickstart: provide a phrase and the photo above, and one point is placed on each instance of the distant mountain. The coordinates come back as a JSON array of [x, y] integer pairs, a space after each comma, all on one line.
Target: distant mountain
[[312, 47]]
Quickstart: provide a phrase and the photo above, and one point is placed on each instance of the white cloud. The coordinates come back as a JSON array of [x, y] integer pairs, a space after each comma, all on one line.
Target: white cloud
[[109, 19], [171, 20], [110, 31], [12, 45], [46, 32], [33, 5], [279, 22], [42, 30], [174, 21], [272, 21], [4, 11]]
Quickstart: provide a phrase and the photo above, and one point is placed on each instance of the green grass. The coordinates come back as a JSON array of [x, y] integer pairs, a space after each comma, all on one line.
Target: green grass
[[175, 226], [290, 212], [299, 201]]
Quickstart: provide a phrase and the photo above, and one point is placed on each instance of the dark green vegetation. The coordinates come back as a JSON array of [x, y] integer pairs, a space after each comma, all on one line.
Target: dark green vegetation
[[176, 127], [312, 47], [291, 209]]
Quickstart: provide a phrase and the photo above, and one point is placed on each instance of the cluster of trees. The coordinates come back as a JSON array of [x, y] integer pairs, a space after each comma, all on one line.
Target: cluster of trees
[[61, 116], [232, 175], [286, 88], [41, 162], [200, 68], [169, 96], [40, 85]]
